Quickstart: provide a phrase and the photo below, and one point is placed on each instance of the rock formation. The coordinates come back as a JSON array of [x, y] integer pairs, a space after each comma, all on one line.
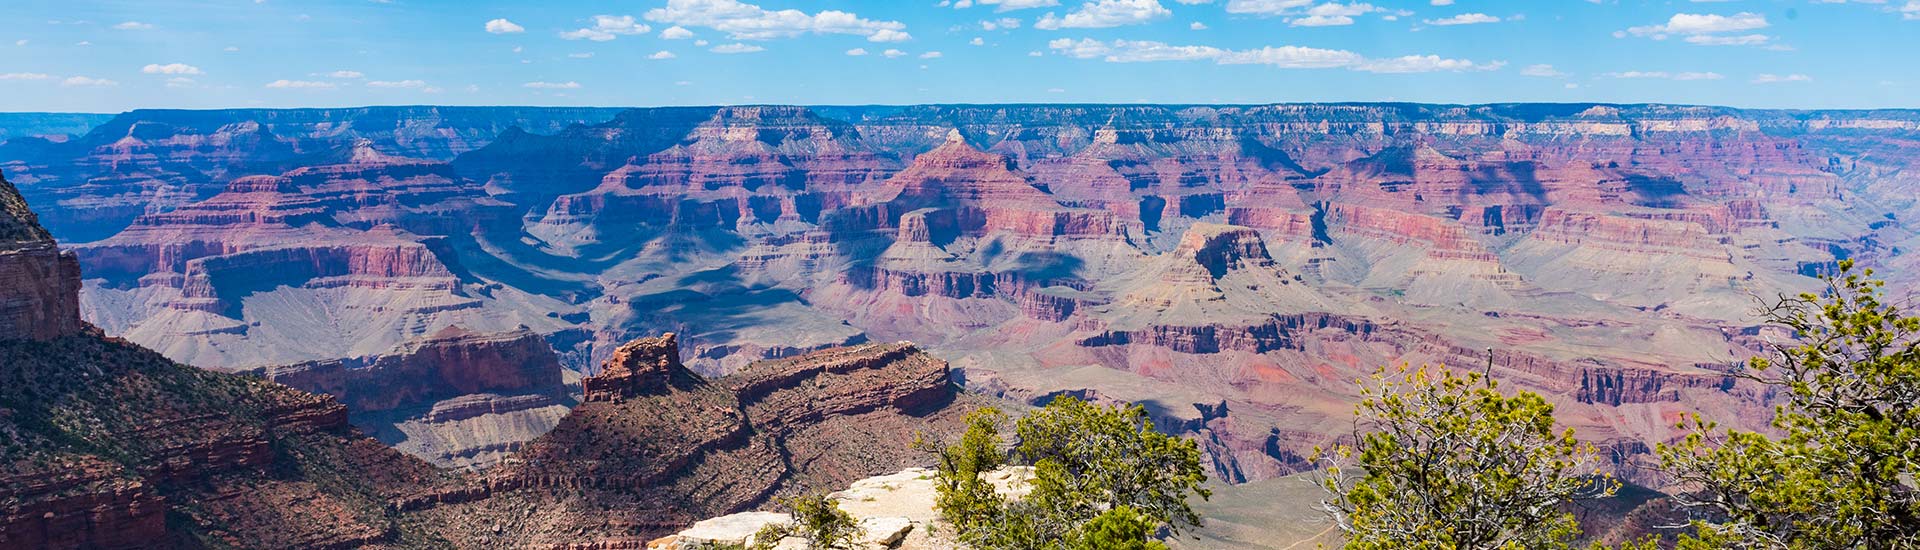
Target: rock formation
[[39, 284]]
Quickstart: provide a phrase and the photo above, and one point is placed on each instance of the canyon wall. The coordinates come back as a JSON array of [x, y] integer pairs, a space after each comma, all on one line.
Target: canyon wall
[[1235, 268]]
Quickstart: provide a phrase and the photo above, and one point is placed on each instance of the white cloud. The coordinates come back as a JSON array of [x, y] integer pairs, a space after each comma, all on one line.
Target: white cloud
[[180, 82], [1689, 23], [676, 32], [1098, 14], [662, 54], [1735, 40], [1008, 5], [1542, 71], [742, 21], [397, 84], [20, 42], [133, 26], [857, 52], [300, 84], [893, 53], [1441, 2], [1425, 64], [1665, 75], [738, 47], [1333, 14], [930, 55], [1266, 7], [1464, 19], [977, 41], [1008, 23], [608, 27], [581, 55], [1198, 26], [889, 35], [1305, 13], [1766, 78], [1286, 57], [25, 76], [170, 68], [345, 74], [568, 85], [503, 26]]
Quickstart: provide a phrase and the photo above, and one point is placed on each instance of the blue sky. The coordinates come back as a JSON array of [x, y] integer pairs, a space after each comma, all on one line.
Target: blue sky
[[114, 55]]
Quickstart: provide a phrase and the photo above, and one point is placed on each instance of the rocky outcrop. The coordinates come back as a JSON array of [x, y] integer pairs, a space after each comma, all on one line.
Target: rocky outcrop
[[39, 283], [640, 367], [673, 448]]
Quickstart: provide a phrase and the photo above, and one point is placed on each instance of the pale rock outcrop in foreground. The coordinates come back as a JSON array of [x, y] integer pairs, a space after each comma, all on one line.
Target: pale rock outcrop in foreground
[[895, 511]]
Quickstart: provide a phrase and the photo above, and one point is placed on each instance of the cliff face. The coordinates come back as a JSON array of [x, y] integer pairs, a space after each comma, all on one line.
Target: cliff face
[[454, 398], [39, 284]]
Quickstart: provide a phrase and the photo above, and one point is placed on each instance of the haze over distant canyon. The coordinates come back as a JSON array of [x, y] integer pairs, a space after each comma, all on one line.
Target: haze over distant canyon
[[450, 273]]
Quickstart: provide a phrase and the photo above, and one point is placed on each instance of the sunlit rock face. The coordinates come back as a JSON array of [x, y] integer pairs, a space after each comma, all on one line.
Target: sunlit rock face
[[1235, 268]]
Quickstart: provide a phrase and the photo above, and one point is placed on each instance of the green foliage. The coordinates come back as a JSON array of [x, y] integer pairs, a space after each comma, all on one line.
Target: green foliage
[[964, 498], [1088, 458], [1102, 478], [1453, 463], [817, 519], [1843, 472], [1121, 528]]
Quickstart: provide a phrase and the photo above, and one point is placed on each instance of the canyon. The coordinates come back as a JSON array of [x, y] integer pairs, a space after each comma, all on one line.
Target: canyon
[[106, 444], [1236, 269]]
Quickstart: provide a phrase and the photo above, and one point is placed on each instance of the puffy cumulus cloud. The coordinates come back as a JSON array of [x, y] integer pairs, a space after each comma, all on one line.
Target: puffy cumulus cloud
[[397, 84], [1664, 75], [931, 55], [1707, 29], [742, 21], [738, 47], [503, 26], [1286, 57], [1464, 19], [568, 85], [345, 74], [676, 32], [662, 54], [1198, 26], [1768, 78], [284, 84], [1099, 14], [608, 27], [891, 53], [170, 68], [133, 26], [856, 52]]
